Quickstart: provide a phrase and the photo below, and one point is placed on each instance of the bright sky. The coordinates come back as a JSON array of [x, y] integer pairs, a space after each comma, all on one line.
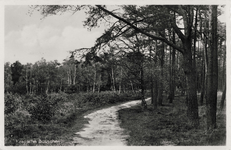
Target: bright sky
[[28, 38]]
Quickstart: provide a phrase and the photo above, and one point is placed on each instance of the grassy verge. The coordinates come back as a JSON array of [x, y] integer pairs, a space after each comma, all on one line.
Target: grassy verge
[[168, 126]]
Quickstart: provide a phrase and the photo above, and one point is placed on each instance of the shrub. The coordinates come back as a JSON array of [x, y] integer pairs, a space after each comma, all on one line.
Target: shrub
[[12, 103], [15, 125], [44, 107]]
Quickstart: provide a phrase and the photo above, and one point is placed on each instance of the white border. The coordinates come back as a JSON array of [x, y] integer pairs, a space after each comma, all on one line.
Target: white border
[[116, 2]]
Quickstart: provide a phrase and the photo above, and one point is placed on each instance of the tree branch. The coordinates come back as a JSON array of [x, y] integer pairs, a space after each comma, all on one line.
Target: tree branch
[[141, 31]]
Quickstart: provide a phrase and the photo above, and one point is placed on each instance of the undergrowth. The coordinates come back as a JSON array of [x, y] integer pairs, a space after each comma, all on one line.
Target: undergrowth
[[52, 119], [168, 125]]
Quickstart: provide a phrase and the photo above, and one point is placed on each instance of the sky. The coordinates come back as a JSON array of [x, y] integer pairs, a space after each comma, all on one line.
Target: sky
[[28, 38]]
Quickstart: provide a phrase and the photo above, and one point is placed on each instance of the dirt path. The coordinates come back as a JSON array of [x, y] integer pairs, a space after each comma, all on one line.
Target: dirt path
[[103, 127]]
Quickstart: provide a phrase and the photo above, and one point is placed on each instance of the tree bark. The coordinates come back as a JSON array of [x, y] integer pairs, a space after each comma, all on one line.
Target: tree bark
[[172, 72], [202, 82], [143, 103], [160, 87], [152, 91], [113, 79], [224, 82], [74, 73], [27, 91], [191, 93], [223, 97], [155, 93], [212, 74]]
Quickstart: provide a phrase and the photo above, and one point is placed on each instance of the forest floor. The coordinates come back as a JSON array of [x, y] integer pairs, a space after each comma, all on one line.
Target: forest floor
[[168, 126]]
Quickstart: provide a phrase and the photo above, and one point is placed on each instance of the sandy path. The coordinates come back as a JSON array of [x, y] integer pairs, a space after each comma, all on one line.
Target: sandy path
[[103, 127]]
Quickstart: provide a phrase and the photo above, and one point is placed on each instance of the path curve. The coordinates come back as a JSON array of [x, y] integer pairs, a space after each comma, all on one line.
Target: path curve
[[103, 127]]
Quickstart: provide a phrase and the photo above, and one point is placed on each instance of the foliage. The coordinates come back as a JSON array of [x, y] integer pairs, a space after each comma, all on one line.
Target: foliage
[[16, 69]]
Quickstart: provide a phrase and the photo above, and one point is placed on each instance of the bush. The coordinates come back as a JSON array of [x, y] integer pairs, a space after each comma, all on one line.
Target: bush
[[44, 107], [12, 103], [103, 98]]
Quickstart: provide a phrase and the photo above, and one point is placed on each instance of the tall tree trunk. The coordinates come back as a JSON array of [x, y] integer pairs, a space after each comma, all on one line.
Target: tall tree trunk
[[194, 47], [132, 87], [160, 88], [191, 92], [172, 72], [143, 103], [224, 82], [202, 81], [99, 83], [151, 90], [113, 79], [155, 93], [30, 88], [68, 77], [212, 74], [223, 97], [120, 83], [74, 74], [94, 84], [151, 78], [27, 91]]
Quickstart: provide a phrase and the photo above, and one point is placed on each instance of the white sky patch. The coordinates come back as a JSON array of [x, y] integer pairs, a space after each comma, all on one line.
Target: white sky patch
[[34, 42], [29, 38]]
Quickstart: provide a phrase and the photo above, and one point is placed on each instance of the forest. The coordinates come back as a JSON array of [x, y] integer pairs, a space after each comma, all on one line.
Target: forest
[[175, 54]]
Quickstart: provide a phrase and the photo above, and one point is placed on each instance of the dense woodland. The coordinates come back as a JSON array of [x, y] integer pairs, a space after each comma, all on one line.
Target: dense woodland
[[146, 51]]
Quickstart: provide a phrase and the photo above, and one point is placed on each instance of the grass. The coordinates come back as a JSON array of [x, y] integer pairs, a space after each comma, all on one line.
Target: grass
[[168, 126]]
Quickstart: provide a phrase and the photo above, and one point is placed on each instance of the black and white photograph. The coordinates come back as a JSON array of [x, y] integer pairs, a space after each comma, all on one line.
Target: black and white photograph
[[115, 74]]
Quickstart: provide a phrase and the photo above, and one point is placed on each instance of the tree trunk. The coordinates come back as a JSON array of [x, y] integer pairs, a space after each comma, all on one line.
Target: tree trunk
[[74, 74], [27, 91], [113, 80], [120, 82], [212, 74], [191, 92], [202, 82], [151, 72], [172, 73], [143, 103], [224, 82], [152, 92], [160, 88], [155, 93], [94, 84], [194, 47], [30, 88], [132, 87], [223, 97]]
